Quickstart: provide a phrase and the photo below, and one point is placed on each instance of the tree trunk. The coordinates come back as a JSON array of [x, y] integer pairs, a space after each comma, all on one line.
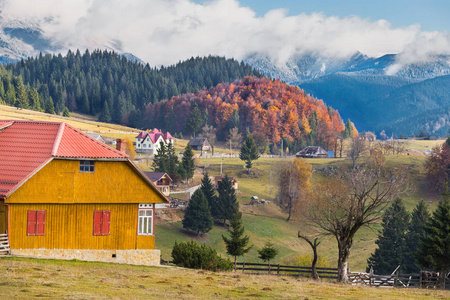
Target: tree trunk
[[314, 274], [344, 253]]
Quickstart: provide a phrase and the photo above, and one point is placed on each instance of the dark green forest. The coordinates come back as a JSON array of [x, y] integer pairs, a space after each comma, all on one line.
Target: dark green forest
[[107, 85]]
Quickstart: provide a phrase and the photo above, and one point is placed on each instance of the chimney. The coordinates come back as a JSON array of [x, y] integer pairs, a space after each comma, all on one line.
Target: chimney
[[121, 145]]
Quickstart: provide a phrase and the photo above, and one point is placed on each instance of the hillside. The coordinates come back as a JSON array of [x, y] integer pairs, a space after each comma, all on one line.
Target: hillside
[[115, 89], [262, 223], [57, 279], [271, 107]]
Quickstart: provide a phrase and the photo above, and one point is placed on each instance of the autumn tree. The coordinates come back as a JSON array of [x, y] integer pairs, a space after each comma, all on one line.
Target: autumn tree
[[293, 184], [248, 152], [130, 149], [352, 199], [437, 165]]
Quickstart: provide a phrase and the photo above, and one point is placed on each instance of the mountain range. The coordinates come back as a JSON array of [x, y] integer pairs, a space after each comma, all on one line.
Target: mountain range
[[375, 93]]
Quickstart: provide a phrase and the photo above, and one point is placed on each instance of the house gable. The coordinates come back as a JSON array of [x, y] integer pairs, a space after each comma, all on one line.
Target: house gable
[[60, 181]]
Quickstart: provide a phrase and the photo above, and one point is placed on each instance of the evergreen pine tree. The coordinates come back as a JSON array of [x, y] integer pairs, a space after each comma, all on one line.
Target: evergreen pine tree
[[161, 159], [249, 152], [348, 131], [226, 206], [391, 242], [188, 163], [419, 218], [198, 216], [49, 107], [105, 115], [173, 161], [434, 249], [21, 94], [195, 120], [208, 190], [268, 252], [237, 243], [66, 112]]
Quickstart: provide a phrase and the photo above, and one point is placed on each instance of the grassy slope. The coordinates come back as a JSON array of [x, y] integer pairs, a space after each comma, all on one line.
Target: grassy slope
[[262, 223], [57, 279]]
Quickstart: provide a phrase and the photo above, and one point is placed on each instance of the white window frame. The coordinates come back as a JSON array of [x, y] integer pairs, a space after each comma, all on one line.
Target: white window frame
[[145, 224]]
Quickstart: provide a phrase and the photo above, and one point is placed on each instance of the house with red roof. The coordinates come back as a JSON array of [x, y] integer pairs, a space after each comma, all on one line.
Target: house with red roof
[[64, 194], [149, 141]]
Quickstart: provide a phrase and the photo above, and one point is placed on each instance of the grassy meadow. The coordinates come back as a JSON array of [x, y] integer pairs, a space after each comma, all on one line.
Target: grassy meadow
[[262, 223], [25, 278]]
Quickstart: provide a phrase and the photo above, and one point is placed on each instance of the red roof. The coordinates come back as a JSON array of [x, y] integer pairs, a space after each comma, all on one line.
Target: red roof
[[154, 135], [26, 146]]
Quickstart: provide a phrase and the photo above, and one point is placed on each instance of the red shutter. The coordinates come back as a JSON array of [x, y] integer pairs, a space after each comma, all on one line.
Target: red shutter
[[40, 222], [31, 228], [97, 222], [106, 222]]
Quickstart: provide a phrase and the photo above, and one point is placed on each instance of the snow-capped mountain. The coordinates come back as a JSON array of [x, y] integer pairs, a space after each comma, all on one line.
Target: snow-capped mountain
[[376, 93]]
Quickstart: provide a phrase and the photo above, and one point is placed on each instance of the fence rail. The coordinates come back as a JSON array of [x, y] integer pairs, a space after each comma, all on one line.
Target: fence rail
[[422, 280], [255, 268], [4, 244]]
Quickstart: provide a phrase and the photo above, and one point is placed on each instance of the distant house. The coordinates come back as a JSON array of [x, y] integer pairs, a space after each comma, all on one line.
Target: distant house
[[312, 152], [65, 195], [149, 142], [161, 180], [233, 180], [97, 137], [200, 143]]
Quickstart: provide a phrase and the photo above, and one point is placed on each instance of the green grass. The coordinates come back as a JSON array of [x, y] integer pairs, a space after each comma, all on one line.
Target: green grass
[[23, 278], [267, 223]]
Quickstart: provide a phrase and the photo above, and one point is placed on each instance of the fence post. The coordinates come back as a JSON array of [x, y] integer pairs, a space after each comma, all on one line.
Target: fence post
[[243, 267], [278, 272], [396, 279]]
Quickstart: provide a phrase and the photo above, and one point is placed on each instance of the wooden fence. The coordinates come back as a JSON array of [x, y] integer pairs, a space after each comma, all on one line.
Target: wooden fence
[[4, 244], [422, 280], [254, 268]]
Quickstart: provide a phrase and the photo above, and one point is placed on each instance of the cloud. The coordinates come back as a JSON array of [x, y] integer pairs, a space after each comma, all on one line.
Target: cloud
[[163, 32]]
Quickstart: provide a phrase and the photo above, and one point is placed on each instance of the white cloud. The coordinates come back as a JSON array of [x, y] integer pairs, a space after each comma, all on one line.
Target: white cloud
[[164, 32]]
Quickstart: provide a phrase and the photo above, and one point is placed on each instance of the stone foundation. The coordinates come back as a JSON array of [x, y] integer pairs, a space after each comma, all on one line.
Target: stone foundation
[[136, 257]]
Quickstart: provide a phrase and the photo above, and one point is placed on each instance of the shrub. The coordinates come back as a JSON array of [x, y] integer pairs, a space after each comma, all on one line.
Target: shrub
[[195, 256]]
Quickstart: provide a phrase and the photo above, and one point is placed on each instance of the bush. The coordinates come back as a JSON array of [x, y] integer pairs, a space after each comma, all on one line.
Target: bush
[[195, 256]]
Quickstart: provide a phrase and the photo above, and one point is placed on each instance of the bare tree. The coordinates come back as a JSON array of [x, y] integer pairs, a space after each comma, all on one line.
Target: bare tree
[[314, 244], [352, 199], [357, 147], [209, 132], [293, 184], [235, 138]]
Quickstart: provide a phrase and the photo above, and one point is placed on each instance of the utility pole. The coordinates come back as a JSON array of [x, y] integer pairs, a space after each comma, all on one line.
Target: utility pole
[[281, 147], [230, 148], [270, 183]]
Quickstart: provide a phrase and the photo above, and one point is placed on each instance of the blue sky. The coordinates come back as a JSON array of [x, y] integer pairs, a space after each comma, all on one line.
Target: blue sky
[[430, 14]]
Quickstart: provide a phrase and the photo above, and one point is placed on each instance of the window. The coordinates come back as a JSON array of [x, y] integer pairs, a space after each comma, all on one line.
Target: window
[[145, 221], [87, 166], [145, 145], [36, 222], [102, 222]]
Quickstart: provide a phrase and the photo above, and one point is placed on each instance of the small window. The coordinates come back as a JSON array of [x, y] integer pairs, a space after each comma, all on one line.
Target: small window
[[36, 222], [145, 145], [145, 221], [87, 166], [102, 220]]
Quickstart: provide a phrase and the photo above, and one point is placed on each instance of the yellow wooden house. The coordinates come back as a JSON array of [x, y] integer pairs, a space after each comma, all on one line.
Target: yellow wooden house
[[65, 195]]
